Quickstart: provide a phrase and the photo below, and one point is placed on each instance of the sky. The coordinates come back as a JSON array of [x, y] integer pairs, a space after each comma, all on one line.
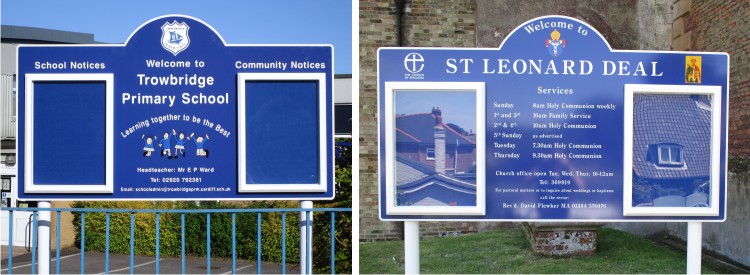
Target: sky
[[238, 22], [457, 107]]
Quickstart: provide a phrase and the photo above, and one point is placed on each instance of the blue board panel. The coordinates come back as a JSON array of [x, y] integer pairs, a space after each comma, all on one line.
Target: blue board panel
[[69, 137], [555, 126], [282, 145], [176, 76]]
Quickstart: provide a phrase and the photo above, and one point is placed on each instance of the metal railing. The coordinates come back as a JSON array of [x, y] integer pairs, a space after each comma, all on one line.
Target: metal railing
[[182, 212]]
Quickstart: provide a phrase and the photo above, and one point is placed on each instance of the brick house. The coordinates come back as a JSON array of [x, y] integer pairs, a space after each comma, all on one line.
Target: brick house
[[435, 163], [415, 141]]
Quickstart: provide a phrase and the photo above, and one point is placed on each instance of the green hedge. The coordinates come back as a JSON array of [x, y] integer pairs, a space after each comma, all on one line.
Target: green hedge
[[322, 221], [195, 230]]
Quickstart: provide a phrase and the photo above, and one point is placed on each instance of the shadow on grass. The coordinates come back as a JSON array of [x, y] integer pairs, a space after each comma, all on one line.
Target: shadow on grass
[[508, 251]]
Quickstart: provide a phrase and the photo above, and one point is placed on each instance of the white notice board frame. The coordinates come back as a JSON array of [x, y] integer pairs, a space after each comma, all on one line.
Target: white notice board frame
[[714, 203], [242, 185], [390, 148], [29, 185]]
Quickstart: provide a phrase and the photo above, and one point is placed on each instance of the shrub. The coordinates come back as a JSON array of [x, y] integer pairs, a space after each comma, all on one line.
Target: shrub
[[195, 230], [221, 225], [322, 221]]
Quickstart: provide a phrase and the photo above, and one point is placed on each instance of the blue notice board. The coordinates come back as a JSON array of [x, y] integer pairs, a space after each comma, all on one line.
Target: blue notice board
[[63, 137], [264, 99], [175, 114], [554, 125]]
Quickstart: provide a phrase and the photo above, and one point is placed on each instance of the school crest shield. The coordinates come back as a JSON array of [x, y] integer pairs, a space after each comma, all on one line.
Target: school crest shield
[[174, 37]]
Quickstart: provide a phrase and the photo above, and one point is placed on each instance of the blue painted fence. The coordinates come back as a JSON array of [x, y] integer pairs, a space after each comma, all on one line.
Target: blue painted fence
[[182, 212]]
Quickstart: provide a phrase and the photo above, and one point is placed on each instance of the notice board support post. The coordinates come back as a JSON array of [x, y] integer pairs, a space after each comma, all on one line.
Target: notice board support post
[[694, 246], [44, 238], [305, 235], [411, 247]]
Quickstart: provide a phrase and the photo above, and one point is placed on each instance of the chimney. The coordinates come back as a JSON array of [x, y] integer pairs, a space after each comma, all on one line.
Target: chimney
[[439, 141]]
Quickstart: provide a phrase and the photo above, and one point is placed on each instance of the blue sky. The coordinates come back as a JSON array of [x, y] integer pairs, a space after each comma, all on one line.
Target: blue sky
[[238, 22], [457, 107]]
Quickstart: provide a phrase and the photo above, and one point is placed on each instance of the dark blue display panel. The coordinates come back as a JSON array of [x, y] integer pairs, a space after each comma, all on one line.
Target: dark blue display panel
[[69, 120], [173, 129], [282, 148], [555, 127]]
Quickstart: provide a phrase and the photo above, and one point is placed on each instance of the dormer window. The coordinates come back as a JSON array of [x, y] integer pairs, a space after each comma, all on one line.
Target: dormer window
[[670, 155], [430, 153]]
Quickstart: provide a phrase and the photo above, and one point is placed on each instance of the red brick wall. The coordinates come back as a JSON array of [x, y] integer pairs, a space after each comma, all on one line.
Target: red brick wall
[[721, 26], [410, 152], [417, 153], [466, 158]]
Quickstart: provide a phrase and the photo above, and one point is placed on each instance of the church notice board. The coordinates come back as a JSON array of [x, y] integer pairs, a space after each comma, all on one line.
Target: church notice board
[[175, 114], [553, 125]]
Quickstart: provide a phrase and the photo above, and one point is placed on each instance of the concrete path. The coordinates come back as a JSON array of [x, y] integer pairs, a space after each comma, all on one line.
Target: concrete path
[[70, 262]]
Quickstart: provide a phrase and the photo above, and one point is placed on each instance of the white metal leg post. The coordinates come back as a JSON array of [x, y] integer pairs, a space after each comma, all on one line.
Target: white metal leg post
[[694, 246], [305, 245], [44, 238], [411, 247]]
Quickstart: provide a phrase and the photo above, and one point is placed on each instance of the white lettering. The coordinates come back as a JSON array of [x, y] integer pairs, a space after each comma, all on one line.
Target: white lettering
[[451, 63], [172, 80]]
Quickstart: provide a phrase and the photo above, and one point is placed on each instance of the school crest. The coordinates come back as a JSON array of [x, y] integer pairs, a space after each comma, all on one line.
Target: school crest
[[174, 37]]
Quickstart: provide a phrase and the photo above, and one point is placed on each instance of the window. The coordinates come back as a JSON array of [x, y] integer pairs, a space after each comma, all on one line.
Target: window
[[10, 159], [13, 113], [430, 153], [343, 116], [6, 185], [670, 154]]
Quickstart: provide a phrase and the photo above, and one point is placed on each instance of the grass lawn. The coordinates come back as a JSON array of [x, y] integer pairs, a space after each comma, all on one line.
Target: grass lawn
[[508, 251]]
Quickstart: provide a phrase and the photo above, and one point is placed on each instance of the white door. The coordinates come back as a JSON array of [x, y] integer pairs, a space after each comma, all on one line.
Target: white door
[[21, 225], [22, 228], [3, 227], [21, 219]]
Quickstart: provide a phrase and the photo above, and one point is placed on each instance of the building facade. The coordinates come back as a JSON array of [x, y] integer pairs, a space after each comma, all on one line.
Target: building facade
[[12, 36]]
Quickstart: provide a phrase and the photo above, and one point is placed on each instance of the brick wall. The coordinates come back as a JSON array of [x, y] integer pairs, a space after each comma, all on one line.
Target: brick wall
[[377, 27], [466, 157], [562, 239], [427, 23], [625, 24], [724, 26], [721, 26], [718, 26], [67, 231]]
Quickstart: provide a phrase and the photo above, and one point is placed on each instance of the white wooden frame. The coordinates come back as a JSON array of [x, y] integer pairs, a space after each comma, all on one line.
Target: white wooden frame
[[242, 186], [714, 203], [29, 184], [390, 148]]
